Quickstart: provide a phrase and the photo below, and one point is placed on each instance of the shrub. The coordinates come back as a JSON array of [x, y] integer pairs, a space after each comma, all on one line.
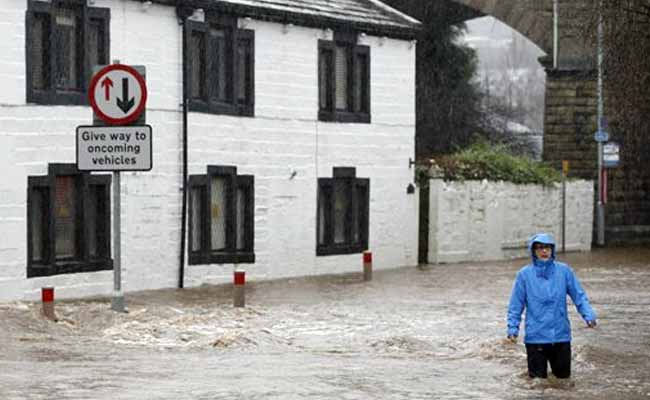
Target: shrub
[[494, 163]]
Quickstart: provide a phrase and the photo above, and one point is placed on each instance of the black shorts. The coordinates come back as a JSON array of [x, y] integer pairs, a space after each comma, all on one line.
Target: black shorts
[[556, 354]]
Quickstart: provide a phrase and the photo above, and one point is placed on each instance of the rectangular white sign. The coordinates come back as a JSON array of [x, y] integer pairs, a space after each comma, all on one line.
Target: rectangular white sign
[[114, 148]]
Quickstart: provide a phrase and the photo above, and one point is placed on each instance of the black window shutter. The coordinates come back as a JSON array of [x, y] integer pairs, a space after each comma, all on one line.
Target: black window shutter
[[245, 183], [244, 71], [361, 88], [37, 49], [198, 213], [99, 188], [196, 64], [39, 195], [362, 194], [326, 78], [325, 231], [96, 40]]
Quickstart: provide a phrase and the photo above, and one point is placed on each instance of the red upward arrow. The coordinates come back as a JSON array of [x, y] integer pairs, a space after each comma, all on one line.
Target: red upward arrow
[[107, 84]]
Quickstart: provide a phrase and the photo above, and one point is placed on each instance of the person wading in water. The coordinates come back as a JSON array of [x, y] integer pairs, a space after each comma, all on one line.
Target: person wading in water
[[540, 289]]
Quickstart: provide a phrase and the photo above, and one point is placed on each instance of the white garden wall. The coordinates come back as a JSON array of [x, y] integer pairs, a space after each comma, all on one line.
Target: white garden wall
[[481, 220], [284, 136]]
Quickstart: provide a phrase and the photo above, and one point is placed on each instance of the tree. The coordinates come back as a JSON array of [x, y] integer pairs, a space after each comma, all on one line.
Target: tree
[[626, 44], [448, 100]]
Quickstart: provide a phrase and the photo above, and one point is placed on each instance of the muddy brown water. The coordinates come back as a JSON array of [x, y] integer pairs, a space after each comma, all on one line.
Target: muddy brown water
[[435, 332]]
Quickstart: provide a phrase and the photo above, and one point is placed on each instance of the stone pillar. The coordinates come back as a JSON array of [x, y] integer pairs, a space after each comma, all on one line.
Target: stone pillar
[[570, 122]]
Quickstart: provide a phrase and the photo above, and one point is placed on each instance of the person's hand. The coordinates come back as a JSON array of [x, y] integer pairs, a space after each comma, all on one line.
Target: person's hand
[[512, 338], [592, 323]]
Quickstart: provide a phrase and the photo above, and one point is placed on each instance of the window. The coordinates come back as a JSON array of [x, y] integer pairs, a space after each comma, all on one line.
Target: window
[[68, 217], [343, 80], [64, 39], [220, 64], [221, 217], [342, 222]]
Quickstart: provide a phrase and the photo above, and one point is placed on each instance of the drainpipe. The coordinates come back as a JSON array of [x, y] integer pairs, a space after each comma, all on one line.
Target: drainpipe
[[183, 13]]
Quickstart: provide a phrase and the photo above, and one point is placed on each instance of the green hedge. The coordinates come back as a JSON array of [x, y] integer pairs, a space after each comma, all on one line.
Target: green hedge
[[494, 163]]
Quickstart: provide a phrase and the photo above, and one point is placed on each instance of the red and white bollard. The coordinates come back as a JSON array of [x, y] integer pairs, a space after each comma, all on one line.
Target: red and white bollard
[[47, 299], [367, 265], [238, 292]]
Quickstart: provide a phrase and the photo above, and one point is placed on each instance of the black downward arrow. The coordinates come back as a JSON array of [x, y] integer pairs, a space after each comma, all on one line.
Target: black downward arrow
[[122, 103]]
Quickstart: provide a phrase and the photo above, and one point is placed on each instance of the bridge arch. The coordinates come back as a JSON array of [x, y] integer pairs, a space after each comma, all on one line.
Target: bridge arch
[[533, 19]]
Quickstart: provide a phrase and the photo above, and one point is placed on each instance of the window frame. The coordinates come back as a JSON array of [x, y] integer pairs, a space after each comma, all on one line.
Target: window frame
[[50, 95], [49, 264], [231, 254], [354, 85], [209, 103], [357, 214]]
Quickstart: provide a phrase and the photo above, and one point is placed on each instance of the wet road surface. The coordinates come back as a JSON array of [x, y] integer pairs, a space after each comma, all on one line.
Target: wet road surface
[[417, 333]]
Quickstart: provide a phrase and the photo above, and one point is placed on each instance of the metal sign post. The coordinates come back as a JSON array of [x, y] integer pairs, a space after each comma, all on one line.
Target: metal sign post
[[117, 302], [565, 172], [600, 206], [117, 95]]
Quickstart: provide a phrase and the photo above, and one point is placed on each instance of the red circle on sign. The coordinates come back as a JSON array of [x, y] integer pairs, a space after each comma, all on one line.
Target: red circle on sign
[[93, 102]]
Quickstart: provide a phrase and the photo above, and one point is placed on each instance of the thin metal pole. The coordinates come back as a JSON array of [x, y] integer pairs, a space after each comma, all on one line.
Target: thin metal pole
[[600, 207], [117, 303], [563, 210], [555, 33]]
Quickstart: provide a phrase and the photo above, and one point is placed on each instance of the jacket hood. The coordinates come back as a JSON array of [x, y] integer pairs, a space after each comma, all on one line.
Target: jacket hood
[[542, 267]]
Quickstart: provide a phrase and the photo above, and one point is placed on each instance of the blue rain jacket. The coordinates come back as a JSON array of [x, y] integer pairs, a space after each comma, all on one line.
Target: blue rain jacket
[[541, 288]]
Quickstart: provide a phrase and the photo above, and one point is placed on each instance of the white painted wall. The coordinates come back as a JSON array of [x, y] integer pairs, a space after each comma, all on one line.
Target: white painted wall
[[284, 135], [481, 220]]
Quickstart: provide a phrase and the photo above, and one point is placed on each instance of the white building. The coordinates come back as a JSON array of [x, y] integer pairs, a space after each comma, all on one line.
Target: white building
[[300, 128]]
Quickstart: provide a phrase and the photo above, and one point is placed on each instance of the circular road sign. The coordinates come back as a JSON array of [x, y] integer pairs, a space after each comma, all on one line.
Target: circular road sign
[[118, 94]]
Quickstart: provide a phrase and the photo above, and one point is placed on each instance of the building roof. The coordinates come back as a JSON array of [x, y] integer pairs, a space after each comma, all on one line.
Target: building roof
[[369, 16]]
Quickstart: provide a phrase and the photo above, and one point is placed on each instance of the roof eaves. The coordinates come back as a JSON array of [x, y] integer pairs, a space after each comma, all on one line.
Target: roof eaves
[[386, 8], [406, 30]]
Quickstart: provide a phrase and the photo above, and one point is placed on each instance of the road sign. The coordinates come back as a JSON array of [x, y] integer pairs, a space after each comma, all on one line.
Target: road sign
[[114, 148], [601, 136], [611, 155], [118, 94]]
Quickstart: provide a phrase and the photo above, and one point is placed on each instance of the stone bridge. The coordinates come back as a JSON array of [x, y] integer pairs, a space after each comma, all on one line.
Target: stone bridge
[[534, 19], [570, 116]]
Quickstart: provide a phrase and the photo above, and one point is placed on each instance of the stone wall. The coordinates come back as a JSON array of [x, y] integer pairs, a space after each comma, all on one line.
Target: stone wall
[[481, 220]]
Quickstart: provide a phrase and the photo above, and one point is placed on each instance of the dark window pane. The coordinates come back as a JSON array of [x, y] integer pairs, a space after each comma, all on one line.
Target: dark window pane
[[361, 218], [92, 222], [68, 53], [219, 77], [244, 81], [196, 201], [96, 43], [39, 51], [96, 221], [39, 201], [342, 78], [65, 217], [197, 51], [324, 80], [219, 207], [361, 83], [241, 219], [323, 202], [341, 207]]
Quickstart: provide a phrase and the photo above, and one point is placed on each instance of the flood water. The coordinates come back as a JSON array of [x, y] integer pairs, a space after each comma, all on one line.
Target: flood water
[[435, 332]]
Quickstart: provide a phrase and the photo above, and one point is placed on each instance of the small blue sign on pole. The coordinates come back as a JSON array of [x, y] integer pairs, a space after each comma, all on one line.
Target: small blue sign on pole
[[611, 156], [601, 136]]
